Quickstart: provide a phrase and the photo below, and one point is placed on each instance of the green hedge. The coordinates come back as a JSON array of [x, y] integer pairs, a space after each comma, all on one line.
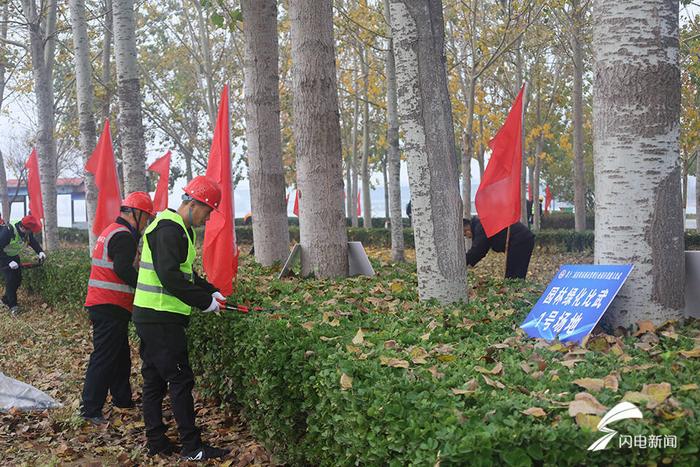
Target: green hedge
[[283, 369], [565, 220], [62, 280]]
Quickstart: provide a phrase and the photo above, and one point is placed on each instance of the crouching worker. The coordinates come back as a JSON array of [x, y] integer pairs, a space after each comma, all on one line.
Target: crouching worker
[[167, 290], [520, 247], [13, 238], [109, 302]]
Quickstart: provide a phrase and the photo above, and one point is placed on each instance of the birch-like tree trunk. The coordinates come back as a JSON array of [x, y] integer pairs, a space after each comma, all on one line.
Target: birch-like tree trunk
[[519, 76], [426, 119], [262, 103], [42, 31], [323, 236], [353, 162], [4, 199], [579, 168], [636, 112], [107, 61], [393, 154], [366, 196], [697, 193], [85, 91], [133, 146]]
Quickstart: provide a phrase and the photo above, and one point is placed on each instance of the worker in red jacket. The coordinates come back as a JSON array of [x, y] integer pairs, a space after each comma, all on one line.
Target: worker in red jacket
[[109, 302], [13, 239]]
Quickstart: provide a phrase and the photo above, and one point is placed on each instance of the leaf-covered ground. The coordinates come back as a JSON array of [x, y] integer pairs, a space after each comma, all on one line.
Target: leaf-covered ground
[[50, 348]]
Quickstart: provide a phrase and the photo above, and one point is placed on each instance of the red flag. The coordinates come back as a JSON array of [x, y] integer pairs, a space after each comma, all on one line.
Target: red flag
[[102, 165], [296, 204], [162, 167], [547, 199], [219, 236], [359, 206], [498, 197], [36, 206]]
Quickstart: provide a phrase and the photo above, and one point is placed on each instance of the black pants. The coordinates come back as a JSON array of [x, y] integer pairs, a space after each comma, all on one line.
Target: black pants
[[166, 366], [13, 279], [519, 259], [110, 362]]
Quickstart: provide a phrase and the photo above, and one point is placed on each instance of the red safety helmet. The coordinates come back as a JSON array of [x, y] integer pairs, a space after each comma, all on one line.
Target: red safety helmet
[[139, 200], [205, 190], [31, 223]]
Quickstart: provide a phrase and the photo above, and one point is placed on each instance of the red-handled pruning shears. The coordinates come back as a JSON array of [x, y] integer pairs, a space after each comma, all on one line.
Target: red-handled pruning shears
[[241, 308]]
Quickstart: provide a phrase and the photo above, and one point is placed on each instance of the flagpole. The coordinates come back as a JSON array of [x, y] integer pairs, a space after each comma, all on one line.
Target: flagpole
[[523, 165], [233, 186], [507, 246]]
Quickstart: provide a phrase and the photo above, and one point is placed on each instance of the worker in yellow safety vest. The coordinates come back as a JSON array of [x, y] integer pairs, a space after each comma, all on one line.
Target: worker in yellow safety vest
[[166, 291]]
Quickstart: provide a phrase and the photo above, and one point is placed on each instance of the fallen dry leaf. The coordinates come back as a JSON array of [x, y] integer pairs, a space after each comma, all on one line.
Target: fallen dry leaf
[[393, 362], [436, 374], [418, 356], [345, 382], [591, 384], [493, 383], [359, 338], [587, 404], [644, 327], [496, 371], [588, 421], [470, 388], [391, 344], [695, 353], [534, 412]]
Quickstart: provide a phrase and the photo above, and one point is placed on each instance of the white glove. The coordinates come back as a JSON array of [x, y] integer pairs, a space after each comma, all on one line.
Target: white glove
[[42, 256], [213, 307], [218, 296], [13, 265]]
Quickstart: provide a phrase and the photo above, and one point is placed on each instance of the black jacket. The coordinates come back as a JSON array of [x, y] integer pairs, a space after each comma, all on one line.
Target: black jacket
[[7, 232], [481, 244], [169, 245]]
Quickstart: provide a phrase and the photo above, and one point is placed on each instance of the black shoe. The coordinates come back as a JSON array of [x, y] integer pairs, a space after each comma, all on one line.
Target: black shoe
[[98, 420], [165, 448], [205, 452]]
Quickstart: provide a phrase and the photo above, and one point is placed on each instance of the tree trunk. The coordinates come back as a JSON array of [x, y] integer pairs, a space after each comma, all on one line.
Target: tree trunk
[[348, 186], [133, 146], [480, 153], [206, 56], [426, 118], [639, 219], [684, 177], [519, 74], [697, 193], [579, 168], [4, 198], [323, 236], [107, 62], [354, 189], [393, 154], [267, 186], [536, 218], [385, 175], [366, 188], [42, 45], [86, 119]]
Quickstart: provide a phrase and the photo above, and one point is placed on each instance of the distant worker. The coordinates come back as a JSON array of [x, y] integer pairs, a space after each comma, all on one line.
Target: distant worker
[[167, 289], [13, 238], [409, 213], [109, 301], [520, 246]]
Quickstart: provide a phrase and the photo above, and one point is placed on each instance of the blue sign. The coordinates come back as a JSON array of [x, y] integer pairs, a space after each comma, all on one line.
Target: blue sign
[[575, 300]]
